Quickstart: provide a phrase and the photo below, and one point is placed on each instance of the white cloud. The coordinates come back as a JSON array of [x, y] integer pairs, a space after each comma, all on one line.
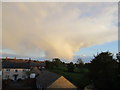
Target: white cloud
[[57, 29]]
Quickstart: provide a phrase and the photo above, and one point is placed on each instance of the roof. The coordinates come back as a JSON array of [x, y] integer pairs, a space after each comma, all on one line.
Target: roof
[[20, 64], [37, 64], [8, 64], [46, 78], [62, 82], [50, 80]]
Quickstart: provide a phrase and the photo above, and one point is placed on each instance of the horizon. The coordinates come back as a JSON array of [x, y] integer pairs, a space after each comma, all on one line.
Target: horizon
[[84, 59]]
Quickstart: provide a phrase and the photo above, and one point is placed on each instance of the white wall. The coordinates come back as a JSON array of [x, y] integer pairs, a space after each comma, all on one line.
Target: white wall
[[12, 72]]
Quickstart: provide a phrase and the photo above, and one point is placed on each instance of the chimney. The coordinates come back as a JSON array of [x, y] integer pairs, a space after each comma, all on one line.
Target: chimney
[[6, 58], [14, 58]]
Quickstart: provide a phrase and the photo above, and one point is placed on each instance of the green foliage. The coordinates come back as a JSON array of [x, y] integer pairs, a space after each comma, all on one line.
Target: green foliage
[[57, 62], [118, 56], [80, 65], [79, 61], [49, 64], [103, 71], [118, 75], [70, 67]]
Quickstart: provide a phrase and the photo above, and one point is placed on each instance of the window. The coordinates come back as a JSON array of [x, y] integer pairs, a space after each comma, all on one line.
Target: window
[[7, 76], [16, 70], [23, 76], [24, 70], [7, 70]]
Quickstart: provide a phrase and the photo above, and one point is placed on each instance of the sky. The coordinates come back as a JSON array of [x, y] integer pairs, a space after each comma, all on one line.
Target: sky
[[63, 30]]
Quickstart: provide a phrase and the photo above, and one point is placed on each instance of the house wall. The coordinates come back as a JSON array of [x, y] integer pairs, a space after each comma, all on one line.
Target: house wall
[[10, 73]]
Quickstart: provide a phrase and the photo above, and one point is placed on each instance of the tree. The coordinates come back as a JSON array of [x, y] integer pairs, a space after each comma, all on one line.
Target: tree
[[57, 62], [49, 64], [103, 71], [118, 58], [118, 76], [70, 67], [80, 63]]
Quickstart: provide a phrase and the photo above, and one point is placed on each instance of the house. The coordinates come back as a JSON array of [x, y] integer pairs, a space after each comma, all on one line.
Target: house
[[39, 64], [14, 70], [47, 80]]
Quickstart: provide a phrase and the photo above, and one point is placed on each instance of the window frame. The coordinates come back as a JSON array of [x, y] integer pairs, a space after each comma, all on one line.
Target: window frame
[[7, 70]]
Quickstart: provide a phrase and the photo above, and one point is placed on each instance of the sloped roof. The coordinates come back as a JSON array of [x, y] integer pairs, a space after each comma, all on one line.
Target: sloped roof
[[8, 64], [37, 64], [51, 80], [20, 64], [46, 78], [62, 82]]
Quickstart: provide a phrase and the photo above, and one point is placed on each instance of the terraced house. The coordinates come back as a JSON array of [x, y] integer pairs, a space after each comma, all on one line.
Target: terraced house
[[15, 70]]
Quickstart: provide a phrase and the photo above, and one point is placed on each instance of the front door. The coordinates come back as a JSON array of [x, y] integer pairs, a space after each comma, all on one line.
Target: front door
[[15, 77]]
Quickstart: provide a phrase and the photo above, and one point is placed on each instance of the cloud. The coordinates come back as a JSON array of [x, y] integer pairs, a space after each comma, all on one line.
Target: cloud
[[57, 29]]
